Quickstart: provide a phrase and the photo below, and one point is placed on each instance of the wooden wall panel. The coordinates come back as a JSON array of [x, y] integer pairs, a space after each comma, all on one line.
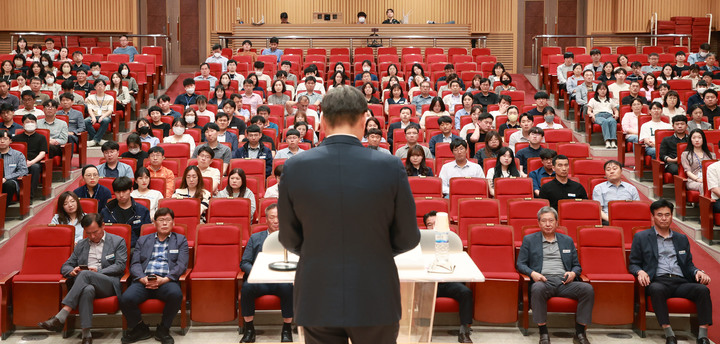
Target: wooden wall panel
[[631, 16], [58, 15]]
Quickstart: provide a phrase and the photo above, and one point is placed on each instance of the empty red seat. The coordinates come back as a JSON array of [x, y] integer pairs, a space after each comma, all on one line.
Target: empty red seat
[[425, 186], [628, 215], [509, 188], [574, 213], [231, 211], [464, 188]]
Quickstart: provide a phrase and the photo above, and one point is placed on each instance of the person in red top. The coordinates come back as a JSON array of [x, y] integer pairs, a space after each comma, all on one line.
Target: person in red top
[[156, 155]]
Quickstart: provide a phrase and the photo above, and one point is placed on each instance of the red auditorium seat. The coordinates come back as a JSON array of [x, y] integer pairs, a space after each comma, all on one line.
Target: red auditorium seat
[[708, 219], [627, 215], [33, 293], [215, 276], [523, 212], [466, 187], [254, 168], [187, 212], [641, 159], [89, 205], [492, 249], [659, 176], [509, 188], [231, 211], [573, 149], [586, 169], [81, 147], [574, 213], [426, 186], [424, 205], [472, 211]]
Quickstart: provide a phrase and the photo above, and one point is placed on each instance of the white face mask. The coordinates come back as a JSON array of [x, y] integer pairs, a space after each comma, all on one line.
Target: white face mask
[[259, 73], [701, 90], [30, 127], [45, 63], [361, 19], [366, 69], [95, 72], [217, 55], [49, 81], [178, 130], [190, 90], [190, 119], [124, 72], [134, 151], [66, 70], [703, 53]]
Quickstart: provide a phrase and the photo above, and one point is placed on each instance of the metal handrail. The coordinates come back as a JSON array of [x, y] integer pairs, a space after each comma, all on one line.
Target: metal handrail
[[545, 38], [224, 39]]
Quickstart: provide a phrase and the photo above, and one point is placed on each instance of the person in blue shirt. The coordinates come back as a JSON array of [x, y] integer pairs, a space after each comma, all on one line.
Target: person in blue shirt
[[189, 97], [273, 49], [446, 135], [264, 110], [126, 49], [546, 155]]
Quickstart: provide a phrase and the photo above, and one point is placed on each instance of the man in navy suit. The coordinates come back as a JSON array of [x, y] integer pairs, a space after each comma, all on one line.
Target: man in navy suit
[[346, 211], [550, 259], [158, 260], [661, 260], [446, 135]]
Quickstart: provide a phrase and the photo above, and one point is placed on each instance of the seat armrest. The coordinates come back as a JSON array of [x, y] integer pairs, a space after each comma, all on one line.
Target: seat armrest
[[621, 144], [184, 276], [7, 279], [82, 148], [240, 275], [125, 277], [584, 278], [658, 169]]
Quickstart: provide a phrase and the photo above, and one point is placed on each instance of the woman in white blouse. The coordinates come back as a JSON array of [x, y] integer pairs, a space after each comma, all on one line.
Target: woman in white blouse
[[142, 179], [69, 212], [122, 92], [504, 168], [192, 186], [237, 187], [178, 134], [603, 110]]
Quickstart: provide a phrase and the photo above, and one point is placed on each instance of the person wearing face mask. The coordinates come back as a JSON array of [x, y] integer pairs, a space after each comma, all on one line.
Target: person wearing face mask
[[134, 145], [513, 114], [20, 66], [145, 132], [189, 97], [95, 69], [66, 72], [217, 57], [36, 148], [124, 71], [178, 134], [50, 85], [505, 80], [362, 18], [699, 56], [366, 67], [190, 117], [697, 98], [549, 116], [47, 64]]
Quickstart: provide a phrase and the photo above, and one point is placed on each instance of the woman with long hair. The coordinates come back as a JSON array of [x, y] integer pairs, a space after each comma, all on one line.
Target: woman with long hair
[[143, 190], [69, 212], [237, 187], [602, 109], [415, 164], [692, 158], [192, 186], [504, 168]]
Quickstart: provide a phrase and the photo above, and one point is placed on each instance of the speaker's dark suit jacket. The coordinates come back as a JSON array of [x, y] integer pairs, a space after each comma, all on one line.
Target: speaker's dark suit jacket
[[346, 211], [644, 254]]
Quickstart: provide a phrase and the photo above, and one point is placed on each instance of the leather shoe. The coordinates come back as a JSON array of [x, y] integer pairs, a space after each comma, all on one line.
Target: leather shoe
[[162, 335], [703, 340], [87, 340], [580, 338], [248, 333], [140, 332], [286, 334], [544, 339], [464, 334], [53, 325], [670, 340]]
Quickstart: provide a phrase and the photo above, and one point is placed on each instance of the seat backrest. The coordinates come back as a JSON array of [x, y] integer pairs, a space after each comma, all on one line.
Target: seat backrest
[[231, 211], [424, 205], [187, 211], [426, 186], [629, 214], [473, 211], [492, 247], [463, 187], [573, 213], [586, 169], [601, 250], [574, 149], [559, 135], [509, 188], [218, 247], [89, 205], [523, 212], [47, 247], [252, 167]]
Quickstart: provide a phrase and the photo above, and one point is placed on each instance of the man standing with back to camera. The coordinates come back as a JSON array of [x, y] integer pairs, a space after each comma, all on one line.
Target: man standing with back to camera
[[346, 211]]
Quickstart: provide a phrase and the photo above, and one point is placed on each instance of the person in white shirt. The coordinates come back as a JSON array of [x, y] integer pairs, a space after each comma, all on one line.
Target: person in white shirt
[[205, 156], [522, 135], [647, 131], [564, 68], [142, 179], [619, 85], [454, 98], [178, 134], [460, 167], [549, 117], [217, 57], [603, 110], [504, 168], [202, 110], [272, 192], [259, 69], [293, 139]]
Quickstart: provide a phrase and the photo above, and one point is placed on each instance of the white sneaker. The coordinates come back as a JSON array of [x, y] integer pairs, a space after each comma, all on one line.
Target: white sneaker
[[102, 142], [608, 144], [613, 145], [91, 143]]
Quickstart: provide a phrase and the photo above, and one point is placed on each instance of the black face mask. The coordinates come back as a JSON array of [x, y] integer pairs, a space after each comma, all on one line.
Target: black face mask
[[144, 130], [505, 82]]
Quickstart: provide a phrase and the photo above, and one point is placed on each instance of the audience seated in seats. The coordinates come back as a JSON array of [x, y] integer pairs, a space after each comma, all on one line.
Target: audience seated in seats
[[312, 71], [58, 128], [392, 71], [286, 67], [205, 75], [259, 67], [82, 83], [134, 146], [254, 149], [277, 94], [522, 135], [680, 65], [493, 142], [693, 75], [35, 86], [697, 98], [219, 96], [204, 159], [567, 66], [467, 103], [671, 105], [95, 73], [486, 96], [700, 56], [415, 164], [554, 274], [619, 85], [446, 124], [405, 114], [217, 57], [68, 211], [437, 108], [460, 167], [549, 117], [126, 49], [68, 87], [503, 105], [223, 134], [190, 116], [412, 134], [481, 125], [113, 167], [596, 64], [50, 82], [292, 137], [100, 108], [310, 86], [156, 155], [561, 187], [156, 121], [454, 98], [533, 150], [497, 71], [449, 70], [368, 90], [22, 84], [202, 103], [573, 82], [691, 159], [273, 50], [14, 166], [513, 122], [193, 186], [124, 210], [602, 109], [660, 259], [505, 80], [696, 120], [78, 65], [237, 188], [92, 188], [251, 98], [374, 138], [710, 109], [614, 189], [546, 156], [668, 146], [6, 97], [7, 113], [211, 141], [179, 127], [189, 97], [145, 130], [366, 67], [123, 92], [607, 76], [667, 73], [247, 50], [28, 99], [36, 148], [164, 103], [6, 72], [415, 83], [504, 168], [424, 97], [710, 64], [95, 268], [157, 262], [240, 112], [264, 112], [648, 129], [446, 87], [232, 72], [272, 191], [637, 74], [142, 180], [302, 105], [541, 101], [630, 121], [457, 291], [653, 59], [650, 83], [251, 291], [65, 73], [22, 48]]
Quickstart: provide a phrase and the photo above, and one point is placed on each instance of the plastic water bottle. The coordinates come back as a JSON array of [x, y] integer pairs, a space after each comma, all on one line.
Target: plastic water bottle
[[442, 245]]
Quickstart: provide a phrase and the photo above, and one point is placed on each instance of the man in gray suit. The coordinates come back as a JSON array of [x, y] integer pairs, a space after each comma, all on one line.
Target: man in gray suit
[[346, 211], [582, 90], [95, 266], [550, 259]]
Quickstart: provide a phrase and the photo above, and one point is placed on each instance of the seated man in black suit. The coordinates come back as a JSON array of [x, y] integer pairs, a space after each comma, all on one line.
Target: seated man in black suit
[[456, 290], [551, 261], [668, 146], [157, 262], [251, 291], [661, 260]]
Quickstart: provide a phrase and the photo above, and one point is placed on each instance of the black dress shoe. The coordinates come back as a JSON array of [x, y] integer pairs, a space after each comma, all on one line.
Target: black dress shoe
[[87, 340], [580, 338], [140, 332], [53, 325], [248, 333], [162, 335], [544, 339], [670, 340], [286, 334], [703, 340], [464, 334]]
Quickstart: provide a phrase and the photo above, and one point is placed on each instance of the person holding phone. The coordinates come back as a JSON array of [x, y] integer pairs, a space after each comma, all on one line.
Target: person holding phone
[[96, 264], [159, 260]]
